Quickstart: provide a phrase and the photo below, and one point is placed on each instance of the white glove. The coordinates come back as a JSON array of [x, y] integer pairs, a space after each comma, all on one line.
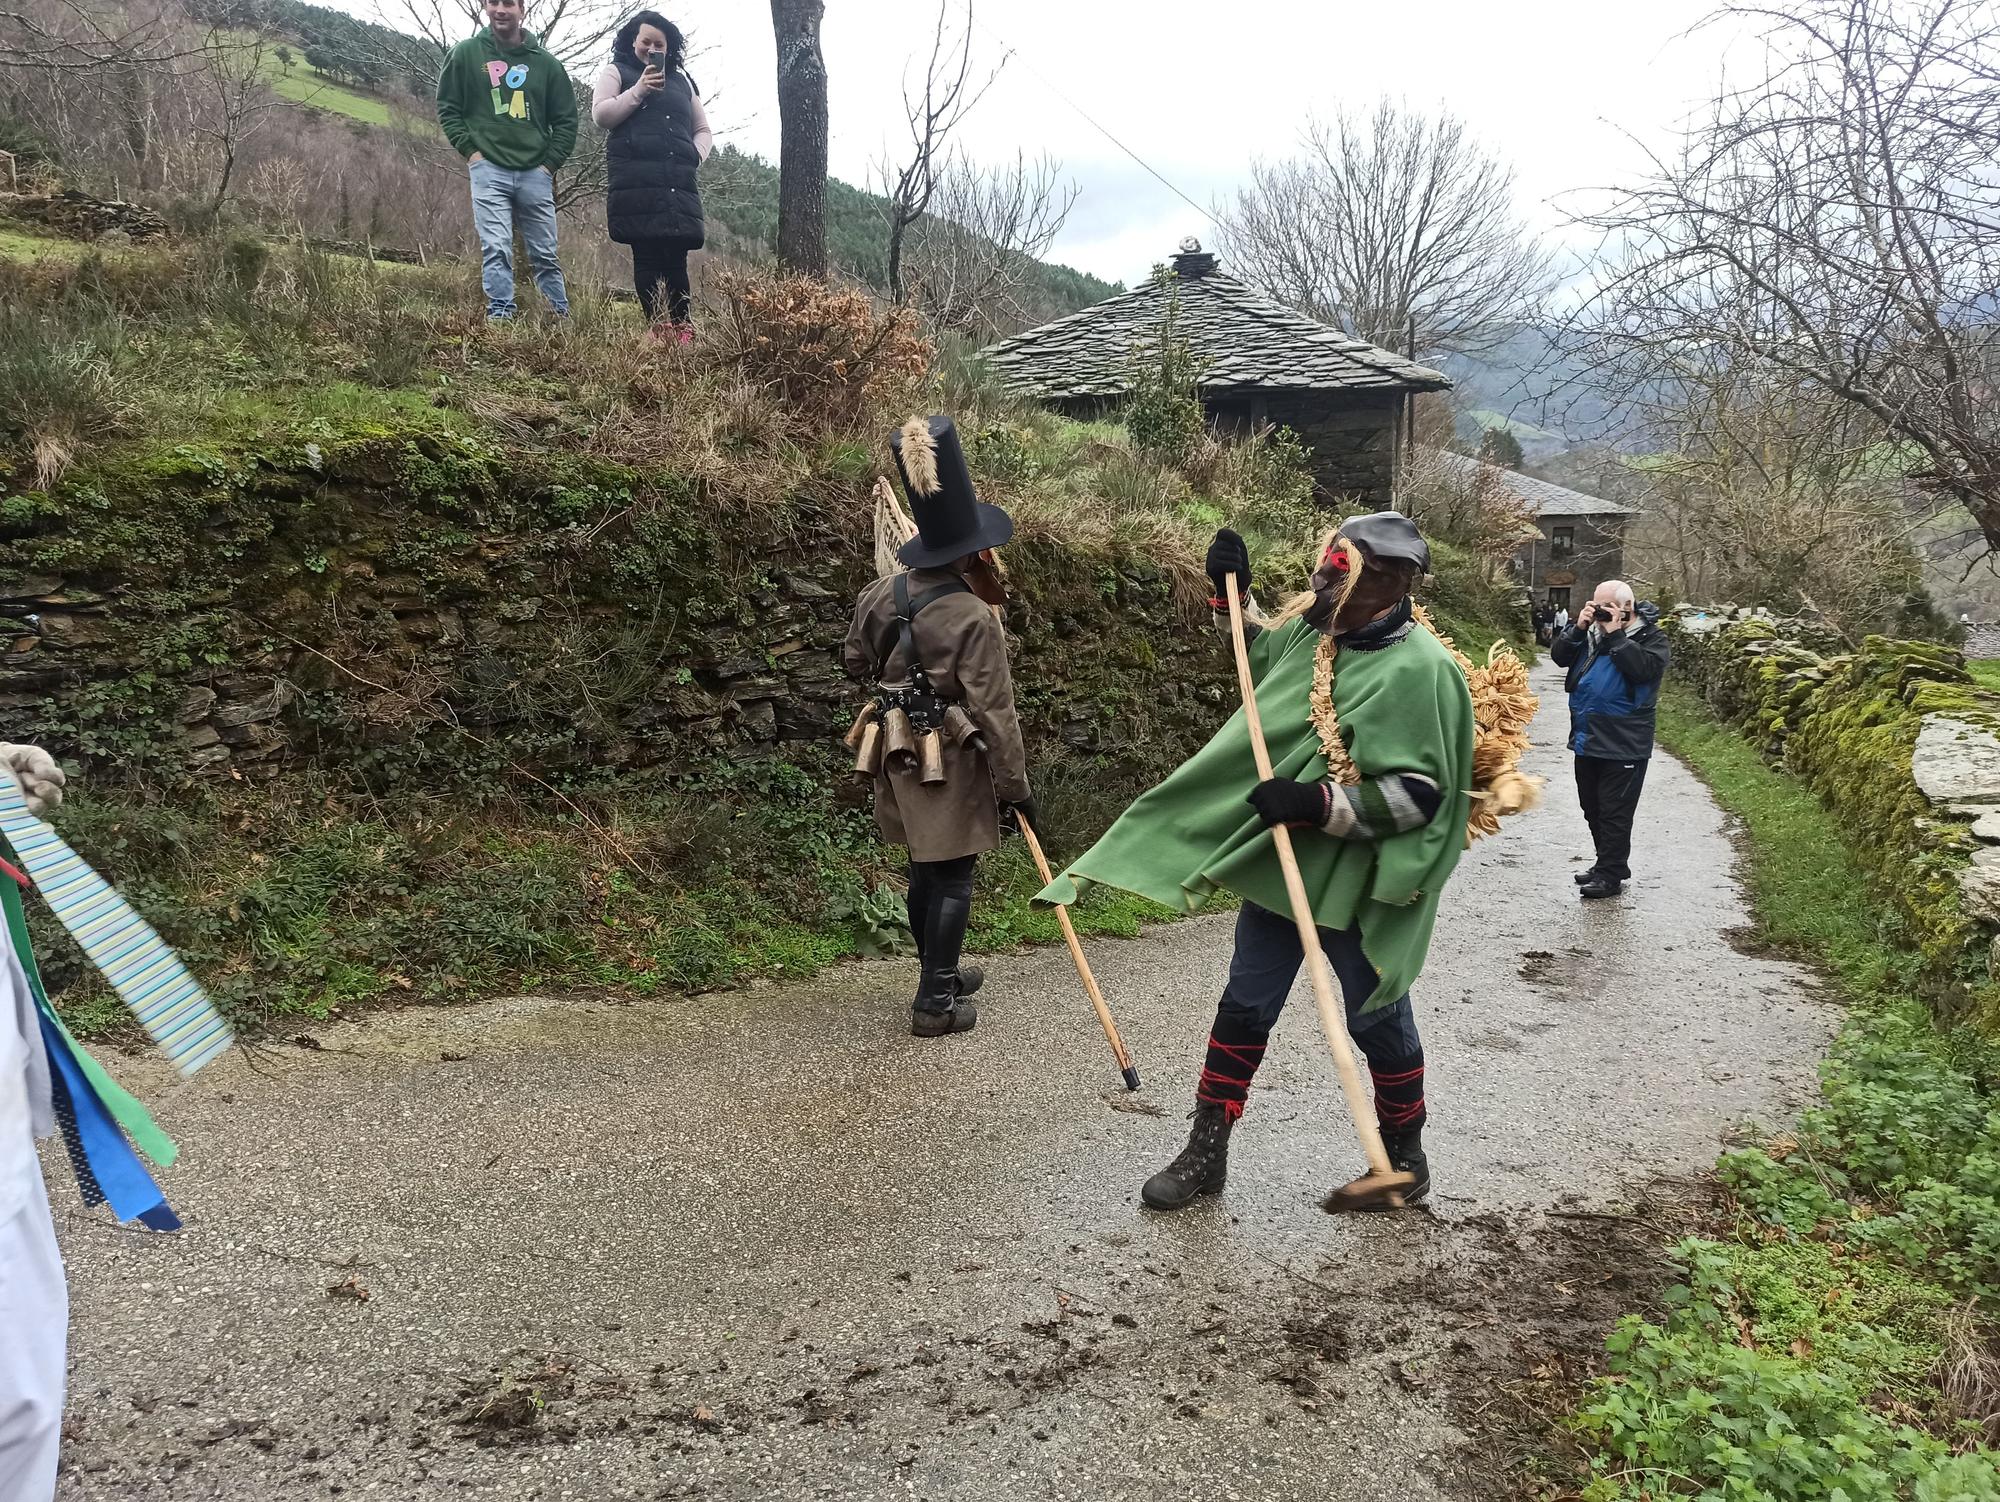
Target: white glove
[[40, 778]]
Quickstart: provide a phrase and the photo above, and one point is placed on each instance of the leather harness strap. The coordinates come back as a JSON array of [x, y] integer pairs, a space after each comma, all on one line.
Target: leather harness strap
[[901, 629]]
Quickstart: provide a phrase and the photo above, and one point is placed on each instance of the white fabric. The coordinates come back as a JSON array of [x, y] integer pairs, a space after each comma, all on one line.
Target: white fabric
[[34, 1333], [18, 1167], [25, 1109], [40, 778]]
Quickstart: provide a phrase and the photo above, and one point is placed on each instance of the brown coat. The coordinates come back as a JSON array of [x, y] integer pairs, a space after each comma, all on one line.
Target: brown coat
[[964, 650]]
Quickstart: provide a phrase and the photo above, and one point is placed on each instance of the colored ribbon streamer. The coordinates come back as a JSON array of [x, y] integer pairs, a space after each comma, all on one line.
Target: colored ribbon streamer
[[92, 1111], [148, 977]]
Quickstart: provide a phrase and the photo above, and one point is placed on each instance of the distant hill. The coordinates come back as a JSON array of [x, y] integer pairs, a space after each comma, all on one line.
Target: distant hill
[[1542, 394], [740, 192]]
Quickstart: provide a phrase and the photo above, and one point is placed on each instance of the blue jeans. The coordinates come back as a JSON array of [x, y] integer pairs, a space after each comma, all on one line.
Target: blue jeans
[[1267, 961], [502, 199]]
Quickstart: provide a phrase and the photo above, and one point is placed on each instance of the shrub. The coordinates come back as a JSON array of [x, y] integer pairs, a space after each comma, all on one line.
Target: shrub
[[829, 351], [64, 384], [1164, 413], [1685, 1415]]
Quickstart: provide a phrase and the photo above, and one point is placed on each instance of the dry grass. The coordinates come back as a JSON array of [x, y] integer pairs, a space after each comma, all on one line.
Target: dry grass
[[1969, 1373], [775, 419]]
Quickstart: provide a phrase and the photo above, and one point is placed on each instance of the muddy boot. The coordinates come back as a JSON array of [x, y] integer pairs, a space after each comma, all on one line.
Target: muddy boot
[[1405, 1147], [938, 1022], [1202, 1167]]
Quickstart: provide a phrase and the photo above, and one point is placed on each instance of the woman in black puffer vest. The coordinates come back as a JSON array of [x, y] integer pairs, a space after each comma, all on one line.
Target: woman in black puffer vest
[[658, 137]]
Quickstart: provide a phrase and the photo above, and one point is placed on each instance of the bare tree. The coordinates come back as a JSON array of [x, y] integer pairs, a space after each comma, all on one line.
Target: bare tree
[[949, 94], [1767, 489], [1837, 222], [231, 103], [70, 36], [1398, 228], [973, 257], [575, 31], [802, 135], [1473, 508]]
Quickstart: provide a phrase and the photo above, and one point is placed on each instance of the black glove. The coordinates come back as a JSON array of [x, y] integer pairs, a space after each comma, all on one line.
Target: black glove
[[1012, 814], [1227, 555], [1293, 804]]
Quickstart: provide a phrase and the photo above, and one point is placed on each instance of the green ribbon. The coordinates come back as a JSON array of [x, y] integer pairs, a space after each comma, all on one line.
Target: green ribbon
[[134, 1118]]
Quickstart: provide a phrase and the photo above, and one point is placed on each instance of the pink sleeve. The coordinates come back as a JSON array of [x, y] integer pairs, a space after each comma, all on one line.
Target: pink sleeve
[[609, 105], [704, 138]]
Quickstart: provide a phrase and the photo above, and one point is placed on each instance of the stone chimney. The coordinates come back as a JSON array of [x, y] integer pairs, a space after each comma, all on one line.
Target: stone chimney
[[1193, 262]]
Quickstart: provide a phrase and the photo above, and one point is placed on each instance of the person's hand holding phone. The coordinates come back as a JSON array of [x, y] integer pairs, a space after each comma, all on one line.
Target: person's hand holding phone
[[655, 77]]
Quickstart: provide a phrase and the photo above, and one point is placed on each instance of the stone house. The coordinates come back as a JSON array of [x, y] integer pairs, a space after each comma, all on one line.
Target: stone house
[[1261, 363], [1579, 540]]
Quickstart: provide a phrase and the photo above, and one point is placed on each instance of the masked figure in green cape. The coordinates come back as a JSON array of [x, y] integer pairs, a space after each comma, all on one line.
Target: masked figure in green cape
[[1371, 734]]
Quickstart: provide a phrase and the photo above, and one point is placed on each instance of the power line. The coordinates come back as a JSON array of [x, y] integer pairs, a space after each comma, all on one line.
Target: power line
[[1053, 88]]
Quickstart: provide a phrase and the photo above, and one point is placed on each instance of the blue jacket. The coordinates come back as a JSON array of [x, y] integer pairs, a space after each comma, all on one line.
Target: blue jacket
[[1613, 687]]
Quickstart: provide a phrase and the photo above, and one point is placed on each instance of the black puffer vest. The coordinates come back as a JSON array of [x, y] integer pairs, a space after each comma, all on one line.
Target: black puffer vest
[[654, 166]]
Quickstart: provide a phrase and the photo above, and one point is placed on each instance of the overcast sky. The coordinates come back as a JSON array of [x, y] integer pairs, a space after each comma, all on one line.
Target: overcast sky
[[1199, 91]]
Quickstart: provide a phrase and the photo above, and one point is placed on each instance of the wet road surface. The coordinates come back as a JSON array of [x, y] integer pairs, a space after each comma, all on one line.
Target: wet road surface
[[765, 1245]]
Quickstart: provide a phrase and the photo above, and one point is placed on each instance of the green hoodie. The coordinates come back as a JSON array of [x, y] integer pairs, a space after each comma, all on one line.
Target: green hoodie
[[515, 106]]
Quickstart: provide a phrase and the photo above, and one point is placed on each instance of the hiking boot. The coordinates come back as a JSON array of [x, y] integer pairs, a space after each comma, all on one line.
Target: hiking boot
[[970, 979], [1202, 1167], [1405, 1148], [932, 1022], [1600, 885]]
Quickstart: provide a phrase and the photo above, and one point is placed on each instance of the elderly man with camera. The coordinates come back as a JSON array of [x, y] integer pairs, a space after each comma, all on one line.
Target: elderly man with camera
[[1616, 655]]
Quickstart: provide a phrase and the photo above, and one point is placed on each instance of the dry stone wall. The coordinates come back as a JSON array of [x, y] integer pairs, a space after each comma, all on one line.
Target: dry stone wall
[[1898, 738], [422, 609]]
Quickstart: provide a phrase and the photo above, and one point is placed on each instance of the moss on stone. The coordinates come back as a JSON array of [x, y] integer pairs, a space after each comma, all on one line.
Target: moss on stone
[[1846, 726]]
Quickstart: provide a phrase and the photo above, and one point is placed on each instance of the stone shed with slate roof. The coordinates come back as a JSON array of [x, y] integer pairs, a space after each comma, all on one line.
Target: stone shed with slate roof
[[1262, 363], [1580, 538]]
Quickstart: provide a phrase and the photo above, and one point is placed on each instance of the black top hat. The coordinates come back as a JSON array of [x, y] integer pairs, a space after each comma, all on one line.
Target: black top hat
[[951, 520], [1388, 536]]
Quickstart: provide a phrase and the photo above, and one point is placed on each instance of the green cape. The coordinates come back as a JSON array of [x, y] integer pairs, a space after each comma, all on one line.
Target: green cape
[[1402, 708]]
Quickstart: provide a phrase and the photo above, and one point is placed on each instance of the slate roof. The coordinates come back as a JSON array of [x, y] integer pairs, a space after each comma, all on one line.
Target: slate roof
[[1250, 343], [1542, 498]]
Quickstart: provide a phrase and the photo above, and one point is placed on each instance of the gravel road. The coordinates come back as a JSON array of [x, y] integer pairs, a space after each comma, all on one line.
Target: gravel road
[[764, 1245]]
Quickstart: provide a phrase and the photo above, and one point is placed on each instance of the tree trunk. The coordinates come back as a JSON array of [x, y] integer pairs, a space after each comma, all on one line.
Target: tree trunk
[[802, 136], [896, 231]]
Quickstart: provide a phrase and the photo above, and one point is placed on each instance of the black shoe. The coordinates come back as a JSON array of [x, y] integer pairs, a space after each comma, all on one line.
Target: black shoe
[[1584, 878], [931, 1022], [1600, 885], [1202, 1167], [1406, 1155], [970, 979]]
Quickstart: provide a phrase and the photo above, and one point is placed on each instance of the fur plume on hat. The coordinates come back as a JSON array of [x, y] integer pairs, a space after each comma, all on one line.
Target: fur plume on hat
[[920, 457]]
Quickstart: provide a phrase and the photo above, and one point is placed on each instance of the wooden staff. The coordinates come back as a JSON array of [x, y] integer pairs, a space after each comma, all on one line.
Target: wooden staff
[[1332, 1013], [1082, 965]]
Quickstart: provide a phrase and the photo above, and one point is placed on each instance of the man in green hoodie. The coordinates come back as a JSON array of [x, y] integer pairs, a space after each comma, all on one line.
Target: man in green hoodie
[[507, 106]]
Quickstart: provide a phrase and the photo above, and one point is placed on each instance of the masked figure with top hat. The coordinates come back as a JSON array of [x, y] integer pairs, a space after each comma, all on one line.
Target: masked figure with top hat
[[1371, 732], [939, 734]]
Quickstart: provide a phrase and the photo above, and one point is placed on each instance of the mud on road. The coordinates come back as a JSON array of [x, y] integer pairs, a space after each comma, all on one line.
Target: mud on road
[[765, 1245]]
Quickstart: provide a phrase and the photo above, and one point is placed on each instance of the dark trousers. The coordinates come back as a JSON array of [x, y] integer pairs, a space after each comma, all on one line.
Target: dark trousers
[[940, 908], [1609, 793], [1261, 974], [662, 261]]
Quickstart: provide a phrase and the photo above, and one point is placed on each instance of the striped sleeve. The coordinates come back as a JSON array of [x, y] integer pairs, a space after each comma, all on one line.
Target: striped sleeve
[[1378, 807], [1253, 620]]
